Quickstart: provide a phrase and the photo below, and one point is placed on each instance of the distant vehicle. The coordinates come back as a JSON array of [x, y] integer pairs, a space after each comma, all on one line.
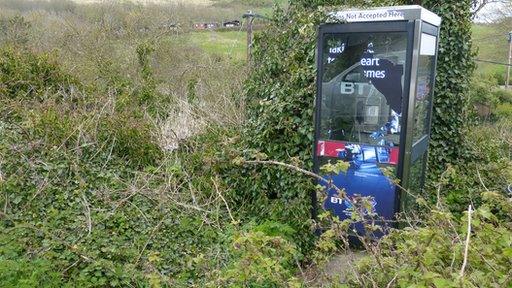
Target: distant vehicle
[[212, 25], [199, 26], [233, 23], [206, 25]]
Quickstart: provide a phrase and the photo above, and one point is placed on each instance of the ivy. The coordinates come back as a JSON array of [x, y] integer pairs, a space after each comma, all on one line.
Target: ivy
[[454, 71]]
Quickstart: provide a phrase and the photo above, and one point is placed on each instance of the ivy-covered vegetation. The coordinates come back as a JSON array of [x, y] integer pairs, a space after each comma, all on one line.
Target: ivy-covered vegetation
[[454, 71], [82, 188], [122, 161], [32, 78], [281, 92], [93, 191]]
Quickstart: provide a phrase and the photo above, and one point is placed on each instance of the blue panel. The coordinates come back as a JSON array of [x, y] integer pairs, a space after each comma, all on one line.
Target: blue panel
[[364, 178]]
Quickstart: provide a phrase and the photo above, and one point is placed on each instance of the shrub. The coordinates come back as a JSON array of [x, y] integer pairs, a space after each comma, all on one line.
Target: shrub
[[23, 273], [499, 75], [504, 96], [50, 6], [82, 196], [144, 51], [433, 255], [489, 166], [25, 75], [54, 127], [131, 138], [482, 91], [261, 260], [97, 222], [504, 110], [15, 30]]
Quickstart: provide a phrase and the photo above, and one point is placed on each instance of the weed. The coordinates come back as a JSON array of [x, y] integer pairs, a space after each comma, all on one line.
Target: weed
[[131, 138]]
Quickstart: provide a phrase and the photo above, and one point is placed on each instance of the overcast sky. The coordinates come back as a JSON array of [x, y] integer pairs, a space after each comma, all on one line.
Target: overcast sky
[[493, 11]]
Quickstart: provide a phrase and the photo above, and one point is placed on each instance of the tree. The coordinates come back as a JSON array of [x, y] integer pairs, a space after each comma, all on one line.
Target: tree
[[478, 5]]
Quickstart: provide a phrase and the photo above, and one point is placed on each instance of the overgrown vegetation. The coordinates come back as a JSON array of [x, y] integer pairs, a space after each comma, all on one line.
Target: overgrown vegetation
[[92, 194], [444, 251], [87, 188], [122, 161], [454, 70]]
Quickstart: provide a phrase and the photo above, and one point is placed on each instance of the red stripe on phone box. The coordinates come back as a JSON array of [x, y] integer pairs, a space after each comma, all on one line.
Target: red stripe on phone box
[[332, 148], [393, 155], [329, 148]]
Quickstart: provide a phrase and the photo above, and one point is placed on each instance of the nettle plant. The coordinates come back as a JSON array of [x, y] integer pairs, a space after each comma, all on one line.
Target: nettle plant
[[443, 250]]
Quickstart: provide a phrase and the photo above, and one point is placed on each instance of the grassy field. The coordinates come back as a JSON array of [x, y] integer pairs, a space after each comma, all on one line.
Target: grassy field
[[491, 44], [231, 44]]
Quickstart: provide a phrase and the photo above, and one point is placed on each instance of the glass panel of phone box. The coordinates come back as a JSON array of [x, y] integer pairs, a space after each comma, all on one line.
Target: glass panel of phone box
[[360, 113]]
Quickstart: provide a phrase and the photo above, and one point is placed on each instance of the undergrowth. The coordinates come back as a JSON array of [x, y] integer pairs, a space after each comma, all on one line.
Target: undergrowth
[[92, 194], [88, 193]]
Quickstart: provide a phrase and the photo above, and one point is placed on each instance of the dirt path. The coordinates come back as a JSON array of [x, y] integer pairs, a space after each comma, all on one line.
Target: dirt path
[[335, 271]]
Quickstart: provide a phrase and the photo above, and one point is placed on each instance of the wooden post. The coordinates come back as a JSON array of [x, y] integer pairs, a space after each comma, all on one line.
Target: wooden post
[[509, 58], [250, 20], [250, 16]]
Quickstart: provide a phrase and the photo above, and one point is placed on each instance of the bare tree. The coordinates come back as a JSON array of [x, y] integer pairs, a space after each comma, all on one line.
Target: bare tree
[[478, 5]]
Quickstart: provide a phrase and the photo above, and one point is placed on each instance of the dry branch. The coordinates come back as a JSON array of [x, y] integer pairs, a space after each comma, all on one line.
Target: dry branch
[[87, 215], [223, 200], [466, 248], [298, 169]]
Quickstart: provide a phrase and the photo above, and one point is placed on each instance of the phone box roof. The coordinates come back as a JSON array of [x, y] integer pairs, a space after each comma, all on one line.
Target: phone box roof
[[391, 13]]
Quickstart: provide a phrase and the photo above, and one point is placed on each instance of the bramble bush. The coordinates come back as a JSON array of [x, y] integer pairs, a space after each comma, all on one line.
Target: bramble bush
[[262, 255], [433, 253], [29, 76], [88, 193]]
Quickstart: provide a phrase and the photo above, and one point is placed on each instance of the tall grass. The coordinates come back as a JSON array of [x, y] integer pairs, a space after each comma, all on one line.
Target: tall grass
[[195, 74]]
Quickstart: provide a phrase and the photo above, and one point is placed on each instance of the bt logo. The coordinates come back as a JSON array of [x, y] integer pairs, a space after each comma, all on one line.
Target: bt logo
[[351, 88]]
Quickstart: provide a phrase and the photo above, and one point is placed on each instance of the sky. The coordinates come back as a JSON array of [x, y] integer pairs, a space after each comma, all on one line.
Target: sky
[[494, 11], [487, 14]]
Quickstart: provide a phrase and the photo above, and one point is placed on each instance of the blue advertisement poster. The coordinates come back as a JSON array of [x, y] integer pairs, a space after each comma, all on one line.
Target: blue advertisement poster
[[364, 177]]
